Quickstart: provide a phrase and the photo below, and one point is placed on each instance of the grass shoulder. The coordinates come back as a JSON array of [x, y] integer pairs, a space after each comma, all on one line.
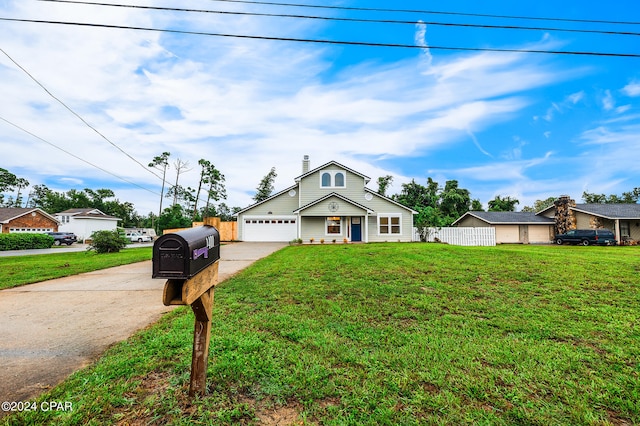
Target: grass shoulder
[[20, 270]]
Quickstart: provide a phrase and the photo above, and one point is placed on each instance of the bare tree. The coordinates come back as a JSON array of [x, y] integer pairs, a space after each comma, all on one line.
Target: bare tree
[[181, 167]]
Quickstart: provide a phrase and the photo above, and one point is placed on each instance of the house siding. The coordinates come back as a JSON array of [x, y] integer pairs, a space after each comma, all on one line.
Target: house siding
[[282, 205], [314, 227], [310, 189], [473, 222]]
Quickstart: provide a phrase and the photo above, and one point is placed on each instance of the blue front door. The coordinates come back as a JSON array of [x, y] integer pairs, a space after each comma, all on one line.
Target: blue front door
[[356, 229]]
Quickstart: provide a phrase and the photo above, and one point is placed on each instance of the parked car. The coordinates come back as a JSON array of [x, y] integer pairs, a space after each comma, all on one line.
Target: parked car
[[59, 238], [140, 238], [587, 237]]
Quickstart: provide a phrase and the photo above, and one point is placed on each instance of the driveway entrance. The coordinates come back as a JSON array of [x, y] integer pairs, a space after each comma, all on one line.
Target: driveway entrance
[[53, 328]]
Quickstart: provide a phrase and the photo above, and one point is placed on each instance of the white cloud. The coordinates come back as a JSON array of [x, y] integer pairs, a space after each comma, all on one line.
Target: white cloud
[[632, 89], [244, 105], [608, 103]]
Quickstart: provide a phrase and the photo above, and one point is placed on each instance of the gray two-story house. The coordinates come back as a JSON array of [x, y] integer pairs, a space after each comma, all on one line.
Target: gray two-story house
[[328, 203]]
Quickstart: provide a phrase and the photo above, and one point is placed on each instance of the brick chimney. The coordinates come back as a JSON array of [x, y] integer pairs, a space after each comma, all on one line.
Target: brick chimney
[[305, 164]]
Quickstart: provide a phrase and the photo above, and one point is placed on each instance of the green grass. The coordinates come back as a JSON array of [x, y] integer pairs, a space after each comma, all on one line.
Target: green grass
[[19, 270], [389, 334]]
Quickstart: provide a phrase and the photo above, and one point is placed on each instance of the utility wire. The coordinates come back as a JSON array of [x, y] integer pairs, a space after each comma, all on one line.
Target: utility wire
[[75, 156], [76, 114], [336, 42], [328, 18], [481, 15]]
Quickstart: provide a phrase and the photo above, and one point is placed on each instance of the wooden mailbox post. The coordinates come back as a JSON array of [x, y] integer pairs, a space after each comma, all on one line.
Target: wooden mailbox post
[[190, 259]]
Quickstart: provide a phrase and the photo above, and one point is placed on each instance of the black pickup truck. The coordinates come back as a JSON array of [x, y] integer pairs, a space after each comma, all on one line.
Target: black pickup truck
[[587, 237]]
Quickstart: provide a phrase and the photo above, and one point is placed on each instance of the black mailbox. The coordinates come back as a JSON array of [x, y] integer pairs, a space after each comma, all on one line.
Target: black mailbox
[[183, 254]]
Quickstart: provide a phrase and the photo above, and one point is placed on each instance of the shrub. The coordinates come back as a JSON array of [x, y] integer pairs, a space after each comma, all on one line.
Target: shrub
[[25, 241], [107, 241]]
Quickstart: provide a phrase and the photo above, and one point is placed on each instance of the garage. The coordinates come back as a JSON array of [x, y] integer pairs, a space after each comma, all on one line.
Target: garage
[[276, 228]]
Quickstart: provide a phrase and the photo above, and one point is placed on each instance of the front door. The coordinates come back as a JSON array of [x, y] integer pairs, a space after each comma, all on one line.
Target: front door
[[356, 229]]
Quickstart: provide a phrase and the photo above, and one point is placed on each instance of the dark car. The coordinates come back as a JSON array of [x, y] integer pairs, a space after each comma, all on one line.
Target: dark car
[[59, 238], [587, 237]]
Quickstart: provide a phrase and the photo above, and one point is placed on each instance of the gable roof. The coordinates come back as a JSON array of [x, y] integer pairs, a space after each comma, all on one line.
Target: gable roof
[[333, 163], [389, 200], [610, 211], [508, 218], [265, 200], [87, 213], [607, 211], [334, 194], [8, 214]]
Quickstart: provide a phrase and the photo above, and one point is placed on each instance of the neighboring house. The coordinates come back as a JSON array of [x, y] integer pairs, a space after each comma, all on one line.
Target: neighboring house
[[84, 222], [622, 219], [328, 203], [15, 219], [511, 227]]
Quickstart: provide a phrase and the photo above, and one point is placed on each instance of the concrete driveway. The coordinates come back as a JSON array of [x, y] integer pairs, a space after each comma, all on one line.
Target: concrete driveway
[[53, 328]]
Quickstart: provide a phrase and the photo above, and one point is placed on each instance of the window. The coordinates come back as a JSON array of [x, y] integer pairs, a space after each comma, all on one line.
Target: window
[[389, 224], [334, 225], [333, 179]]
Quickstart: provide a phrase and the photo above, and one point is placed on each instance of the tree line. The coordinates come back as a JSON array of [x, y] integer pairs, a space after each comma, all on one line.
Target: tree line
[[437, 205]]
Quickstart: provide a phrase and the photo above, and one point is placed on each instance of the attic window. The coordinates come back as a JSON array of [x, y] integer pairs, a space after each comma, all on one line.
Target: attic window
[[333, 179]]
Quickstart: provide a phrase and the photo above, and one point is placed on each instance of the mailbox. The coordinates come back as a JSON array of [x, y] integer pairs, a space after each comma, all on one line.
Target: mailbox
[[183, 254]]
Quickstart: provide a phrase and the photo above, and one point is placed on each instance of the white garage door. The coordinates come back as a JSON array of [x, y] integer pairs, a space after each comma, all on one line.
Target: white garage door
[[270, 229]]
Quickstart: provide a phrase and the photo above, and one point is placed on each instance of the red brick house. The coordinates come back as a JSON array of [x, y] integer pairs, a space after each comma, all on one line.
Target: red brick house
[[16, 219]]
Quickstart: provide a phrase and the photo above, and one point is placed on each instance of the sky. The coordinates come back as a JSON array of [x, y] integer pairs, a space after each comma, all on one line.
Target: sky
[[89, 106]]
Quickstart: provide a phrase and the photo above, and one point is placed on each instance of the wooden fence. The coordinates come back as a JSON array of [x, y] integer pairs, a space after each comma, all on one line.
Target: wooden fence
[[228, 230], [460, 236]]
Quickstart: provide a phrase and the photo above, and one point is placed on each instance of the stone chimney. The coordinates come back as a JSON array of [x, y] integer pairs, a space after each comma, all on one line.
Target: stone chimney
[[305, 164]]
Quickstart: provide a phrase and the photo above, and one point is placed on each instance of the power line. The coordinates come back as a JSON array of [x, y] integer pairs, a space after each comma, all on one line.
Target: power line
[[360, 20], [76, 114], [336, 42], [74, 156], [434, 12]]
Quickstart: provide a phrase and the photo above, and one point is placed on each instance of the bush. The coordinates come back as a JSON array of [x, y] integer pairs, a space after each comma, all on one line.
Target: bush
[[25, 241], [107, 241]]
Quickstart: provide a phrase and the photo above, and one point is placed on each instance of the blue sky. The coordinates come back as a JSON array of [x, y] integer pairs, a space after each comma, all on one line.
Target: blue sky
[[524, 125]]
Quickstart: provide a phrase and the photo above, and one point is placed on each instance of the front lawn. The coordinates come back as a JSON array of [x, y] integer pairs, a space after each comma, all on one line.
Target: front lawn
[[389, 334]]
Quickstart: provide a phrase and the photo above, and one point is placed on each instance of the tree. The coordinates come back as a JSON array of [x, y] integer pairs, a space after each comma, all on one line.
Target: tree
[[630, 197], [454, 202], [216, 190], [506, 204], [476, 205], [539, 205], [415, 196], [173, 217], [383, 184], [180, 166], [161, 162], [7, 183], [266, 187], [206, 173], [20, 184]]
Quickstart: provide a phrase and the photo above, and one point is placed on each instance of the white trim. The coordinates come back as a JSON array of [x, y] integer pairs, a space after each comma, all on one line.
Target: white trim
[[389, 215], [332, 183], [326, 227]]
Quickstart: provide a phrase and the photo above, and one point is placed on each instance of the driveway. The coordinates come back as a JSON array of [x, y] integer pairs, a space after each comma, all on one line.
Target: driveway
[[53, 328]]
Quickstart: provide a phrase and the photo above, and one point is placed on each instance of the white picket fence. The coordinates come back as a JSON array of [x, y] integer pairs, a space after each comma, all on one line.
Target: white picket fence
[[460, 236]]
